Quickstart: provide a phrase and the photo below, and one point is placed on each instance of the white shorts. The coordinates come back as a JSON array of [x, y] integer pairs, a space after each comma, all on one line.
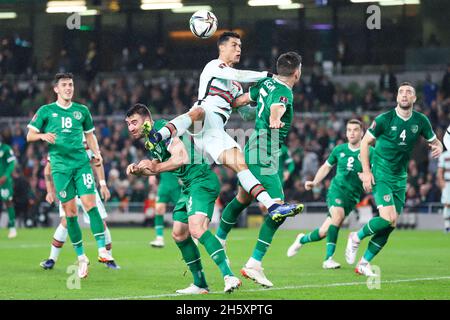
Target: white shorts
[[99, 203], [212, 140], [445, 197]]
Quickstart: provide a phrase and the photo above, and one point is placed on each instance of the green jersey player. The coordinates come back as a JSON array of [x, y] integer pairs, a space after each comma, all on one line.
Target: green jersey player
[[168, 193], [396, 132], [62, 124], [274, 114], [7, 163], [344, 193], [195, 206]]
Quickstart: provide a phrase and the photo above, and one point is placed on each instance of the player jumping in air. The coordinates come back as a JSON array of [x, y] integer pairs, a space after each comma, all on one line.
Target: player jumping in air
[[344, 193], [62, 125], [195, 205], [218, 88], [274, 115], [396, 132]]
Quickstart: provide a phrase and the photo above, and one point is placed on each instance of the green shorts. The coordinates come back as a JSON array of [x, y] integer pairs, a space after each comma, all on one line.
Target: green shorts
[[337, 198], [168, 189], [198, 198], [7, 190], [270, 182], [74, 182], [390, 193]]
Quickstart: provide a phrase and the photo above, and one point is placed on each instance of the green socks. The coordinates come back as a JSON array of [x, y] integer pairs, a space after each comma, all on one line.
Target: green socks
[[191, 255], [377, 243], [159, 225], [332, 236], [11, 217], [374, 226], [216, 252], [74, 231], [266, 233], [229, 218], [311, 237], [97, 227]]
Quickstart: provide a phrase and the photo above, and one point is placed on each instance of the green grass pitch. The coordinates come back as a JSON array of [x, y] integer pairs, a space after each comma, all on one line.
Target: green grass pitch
[[414, 265]]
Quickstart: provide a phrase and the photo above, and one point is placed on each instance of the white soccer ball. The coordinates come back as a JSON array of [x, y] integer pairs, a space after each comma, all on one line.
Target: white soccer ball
[[203, 24]]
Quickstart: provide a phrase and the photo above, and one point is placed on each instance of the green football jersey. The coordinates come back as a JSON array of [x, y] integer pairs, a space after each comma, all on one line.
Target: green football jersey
[[263, 147], [69, 124], [7, 160], [348, 165], [395, 140], [187, 173]]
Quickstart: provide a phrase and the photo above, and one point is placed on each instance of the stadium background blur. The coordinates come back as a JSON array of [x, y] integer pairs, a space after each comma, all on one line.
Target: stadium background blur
[[123, 55]]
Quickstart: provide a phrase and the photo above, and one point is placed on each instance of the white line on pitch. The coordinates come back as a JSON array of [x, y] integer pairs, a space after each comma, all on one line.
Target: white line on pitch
[[343, 284]]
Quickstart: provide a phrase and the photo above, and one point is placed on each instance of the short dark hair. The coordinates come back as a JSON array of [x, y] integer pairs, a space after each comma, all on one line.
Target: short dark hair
[[407, 83], [355, 121], [62, 75], [288, 62], [139, 109], [227, 35]]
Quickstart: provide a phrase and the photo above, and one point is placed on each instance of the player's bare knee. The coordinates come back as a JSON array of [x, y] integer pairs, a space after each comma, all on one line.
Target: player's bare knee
[[243, 197], [197, 230], [196, 114], [178, 235]]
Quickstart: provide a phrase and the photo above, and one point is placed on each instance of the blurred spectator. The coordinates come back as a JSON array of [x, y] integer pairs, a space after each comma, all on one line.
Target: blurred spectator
[[430, 90], [446, 83], [64, 62], [91, 62], [142, 61], [387, 81], [161, 60]]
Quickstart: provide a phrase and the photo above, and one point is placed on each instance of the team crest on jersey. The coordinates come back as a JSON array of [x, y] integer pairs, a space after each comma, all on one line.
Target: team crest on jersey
[[77, 115], [414, 128], [283, 100], [63, 194], [387, 197], [342, 154]]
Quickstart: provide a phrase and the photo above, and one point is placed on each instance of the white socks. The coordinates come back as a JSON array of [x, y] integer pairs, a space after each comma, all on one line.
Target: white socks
[[60, 235], [181, 124], [248, 182], [253, 263]]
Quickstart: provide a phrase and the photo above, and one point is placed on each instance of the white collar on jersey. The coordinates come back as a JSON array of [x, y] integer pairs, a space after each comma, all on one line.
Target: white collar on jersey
[[401, 117], [281, 82], [63, 106], [352, 149]]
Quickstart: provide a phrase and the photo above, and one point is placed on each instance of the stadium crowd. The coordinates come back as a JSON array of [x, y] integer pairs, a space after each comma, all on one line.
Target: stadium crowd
[[317, 128]]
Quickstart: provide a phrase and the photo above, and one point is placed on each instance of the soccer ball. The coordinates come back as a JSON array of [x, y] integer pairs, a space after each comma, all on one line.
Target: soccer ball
[[203, 24]]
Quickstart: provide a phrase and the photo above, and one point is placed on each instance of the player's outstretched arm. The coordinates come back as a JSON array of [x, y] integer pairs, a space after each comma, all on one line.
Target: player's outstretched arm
[[242, 100], [436, 148], [366, 176], [224, 72], [323, 171]]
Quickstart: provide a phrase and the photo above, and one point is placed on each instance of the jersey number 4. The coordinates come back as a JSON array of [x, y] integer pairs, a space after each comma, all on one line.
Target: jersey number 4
[[403, 135]]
